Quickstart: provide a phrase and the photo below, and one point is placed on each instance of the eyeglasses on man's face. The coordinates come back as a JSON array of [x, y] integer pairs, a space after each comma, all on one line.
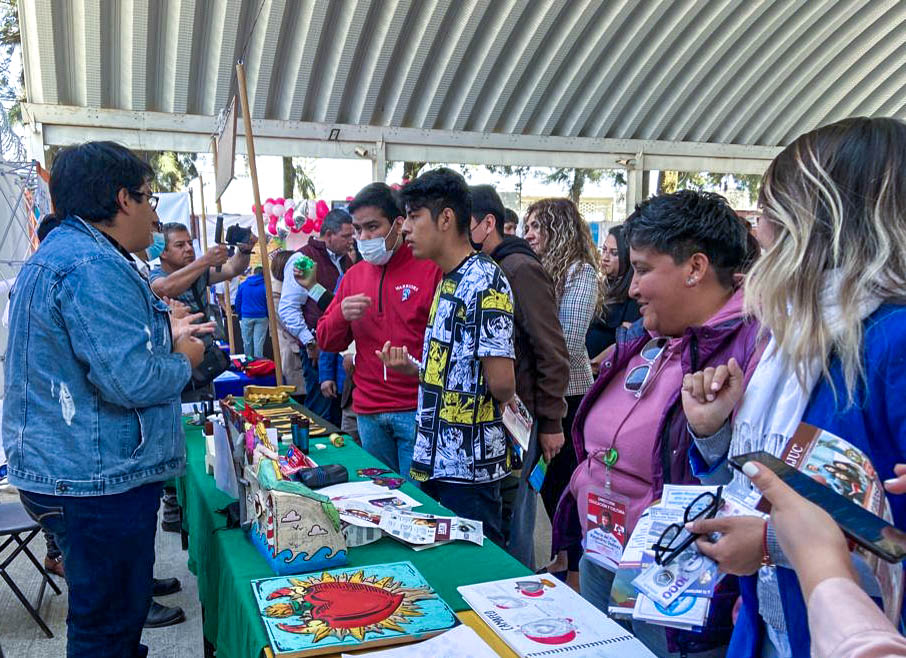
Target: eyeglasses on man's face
[[152, 199]]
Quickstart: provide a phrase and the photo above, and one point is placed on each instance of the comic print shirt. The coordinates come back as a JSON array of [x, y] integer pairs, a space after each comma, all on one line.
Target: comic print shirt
[[460, 435]]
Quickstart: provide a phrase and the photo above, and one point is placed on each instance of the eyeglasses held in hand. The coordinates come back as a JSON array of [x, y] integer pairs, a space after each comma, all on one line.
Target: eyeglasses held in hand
[[675, 539]]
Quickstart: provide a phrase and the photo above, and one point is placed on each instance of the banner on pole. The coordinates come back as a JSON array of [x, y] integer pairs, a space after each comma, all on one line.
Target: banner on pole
[[225, 145]]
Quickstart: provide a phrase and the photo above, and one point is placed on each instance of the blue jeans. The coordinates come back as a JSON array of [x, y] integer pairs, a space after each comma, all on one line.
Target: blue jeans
[[479, 502], [390, 437], [519, 512], [108, 549], [594, 585], [314, 401], [254, 331]]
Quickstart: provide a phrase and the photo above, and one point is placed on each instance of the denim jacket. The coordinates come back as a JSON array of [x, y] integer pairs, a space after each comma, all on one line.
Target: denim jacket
[[92, 388]]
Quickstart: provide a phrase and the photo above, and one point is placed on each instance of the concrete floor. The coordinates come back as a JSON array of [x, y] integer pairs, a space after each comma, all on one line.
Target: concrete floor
[[20, 637]]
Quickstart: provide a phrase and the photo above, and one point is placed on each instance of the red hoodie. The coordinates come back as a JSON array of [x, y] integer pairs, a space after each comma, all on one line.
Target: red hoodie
[[401, 294]]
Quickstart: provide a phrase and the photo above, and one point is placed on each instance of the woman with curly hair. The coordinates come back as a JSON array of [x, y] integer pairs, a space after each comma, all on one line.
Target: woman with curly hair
[[560, 236]]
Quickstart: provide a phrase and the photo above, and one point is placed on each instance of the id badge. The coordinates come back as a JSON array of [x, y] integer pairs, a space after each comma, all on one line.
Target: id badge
[[605, 527]]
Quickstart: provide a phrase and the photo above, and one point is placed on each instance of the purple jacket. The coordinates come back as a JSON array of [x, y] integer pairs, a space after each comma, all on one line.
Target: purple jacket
[[707, 346]]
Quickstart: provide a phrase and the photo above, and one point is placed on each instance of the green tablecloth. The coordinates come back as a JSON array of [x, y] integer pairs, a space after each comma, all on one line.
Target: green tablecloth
[[225, 561]]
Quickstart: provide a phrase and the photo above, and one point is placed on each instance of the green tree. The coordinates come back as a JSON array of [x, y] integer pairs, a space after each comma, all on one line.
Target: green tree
[[574, 179], [172, 170], [412, 169], [671, 181]]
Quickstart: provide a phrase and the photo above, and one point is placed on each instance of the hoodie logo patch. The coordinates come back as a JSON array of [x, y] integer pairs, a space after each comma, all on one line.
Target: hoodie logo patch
[[406, 290]]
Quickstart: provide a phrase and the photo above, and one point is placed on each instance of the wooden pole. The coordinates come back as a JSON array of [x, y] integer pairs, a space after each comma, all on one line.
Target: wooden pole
[[228, 321], [262, 236]]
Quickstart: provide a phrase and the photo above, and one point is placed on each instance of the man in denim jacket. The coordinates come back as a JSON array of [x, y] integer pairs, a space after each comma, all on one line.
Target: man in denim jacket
[[91, 420]]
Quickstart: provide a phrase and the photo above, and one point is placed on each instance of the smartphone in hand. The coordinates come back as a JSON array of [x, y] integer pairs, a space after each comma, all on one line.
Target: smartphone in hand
[[866, 529]]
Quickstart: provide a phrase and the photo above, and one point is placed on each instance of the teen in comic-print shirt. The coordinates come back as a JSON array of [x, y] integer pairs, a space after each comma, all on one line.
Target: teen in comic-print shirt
[[460, 436]]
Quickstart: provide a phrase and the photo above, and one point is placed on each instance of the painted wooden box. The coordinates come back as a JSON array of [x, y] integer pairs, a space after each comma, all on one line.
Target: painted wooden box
[[294, 528]]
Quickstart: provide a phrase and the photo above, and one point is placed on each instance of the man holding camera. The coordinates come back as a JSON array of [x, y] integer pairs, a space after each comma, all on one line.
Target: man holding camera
[[182, 276]]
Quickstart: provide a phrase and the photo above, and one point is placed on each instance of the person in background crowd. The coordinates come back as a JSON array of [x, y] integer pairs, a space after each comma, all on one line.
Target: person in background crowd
[[620, 310], [290, 360], [387, 296], [335, 372], [461, 448], [300, 313], [542, 362], [220, 297], [510, 222], [842, 619], [251, 307], [183, 277], [115, 360], [630, 430], [561, 238], [830, 288]]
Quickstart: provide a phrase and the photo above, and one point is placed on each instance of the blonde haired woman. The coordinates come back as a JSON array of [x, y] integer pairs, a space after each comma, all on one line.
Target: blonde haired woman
[[831, 287], [561, 238]]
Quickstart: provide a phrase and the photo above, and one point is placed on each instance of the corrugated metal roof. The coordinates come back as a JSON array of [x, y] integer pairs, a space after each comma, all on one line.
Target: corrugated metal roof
[[749, 72]]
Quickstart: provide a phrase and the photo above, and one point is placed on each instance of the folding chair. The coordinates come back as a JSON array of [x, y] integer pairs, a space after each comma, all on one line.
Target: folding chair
[[14, 522]]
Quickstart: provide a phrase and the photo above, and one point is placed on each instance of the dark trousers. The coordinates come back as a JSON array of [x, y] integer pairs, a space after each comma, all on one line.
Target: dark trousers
[[314, 401], [560, 471], [479, 502], [108, 549]]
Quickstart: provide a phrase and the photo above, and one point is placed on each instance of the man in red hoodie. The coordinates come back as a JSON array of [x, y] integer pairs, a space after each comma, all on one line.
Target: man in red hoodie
[[385, 296]]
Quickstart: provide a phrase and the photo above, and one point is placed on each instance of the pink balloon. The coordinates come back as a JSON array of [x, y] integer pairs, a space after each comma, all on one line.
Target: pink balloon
[[278, 209], [308, 226], [321, 210], [269, 200], [350, 198], [318, 224], [268, 208], [288, 218], [279, 200]]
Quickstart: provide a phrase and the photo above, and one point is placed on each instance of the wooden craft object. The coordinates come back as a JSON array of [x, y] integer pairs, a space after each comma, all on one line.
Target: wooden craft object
[[294, 528], [348, 609], [267, 394]]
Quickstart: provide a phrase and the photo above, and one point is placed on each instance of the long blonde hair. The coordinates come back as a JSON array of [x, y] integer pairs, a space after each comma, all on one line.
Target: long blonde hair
[[835, 200], [567, 241]]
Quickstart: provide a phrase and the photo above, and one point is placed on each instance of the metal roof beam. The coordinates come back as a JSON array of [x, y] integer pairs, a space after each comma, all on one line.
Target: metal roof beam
[[183, 132]]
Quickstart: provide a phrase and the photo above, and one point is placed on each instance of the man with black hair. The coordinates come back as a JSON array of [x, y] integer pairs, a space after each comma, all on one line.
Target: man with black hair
[[542, 361], [466, 374], [510, 222], [93, 357], [385, 296], [182, 276], [299, 310]]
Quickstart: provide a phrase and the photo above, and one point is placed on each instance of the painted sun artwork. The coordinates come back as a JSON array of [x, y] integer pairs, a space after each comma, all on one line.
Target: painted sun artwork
[[347, 609]]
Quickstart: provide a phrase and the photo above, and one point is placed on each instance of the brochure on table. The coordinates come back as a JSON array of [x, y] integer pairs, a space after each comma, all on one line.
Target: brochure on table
[[541, 616]]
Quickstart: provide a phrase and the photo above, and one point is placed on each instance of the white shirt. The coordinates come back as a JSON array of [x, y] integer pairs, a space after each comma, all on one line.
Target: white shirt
[[292, 299]]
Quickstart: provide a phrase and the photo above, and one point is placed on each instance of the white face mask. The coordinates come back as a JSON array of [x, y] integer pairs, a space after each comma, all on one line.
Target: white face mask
[[374, 250]]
